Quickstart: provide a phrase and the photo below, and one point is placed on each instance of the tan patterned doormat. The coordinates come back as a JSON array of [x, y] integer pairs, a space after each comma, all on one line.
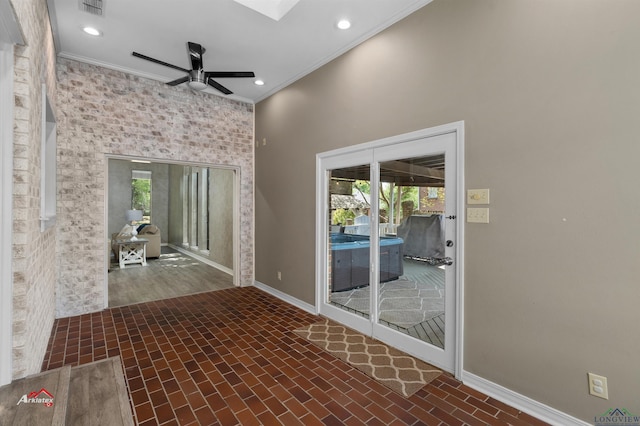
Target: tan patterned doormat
[[396, 370]]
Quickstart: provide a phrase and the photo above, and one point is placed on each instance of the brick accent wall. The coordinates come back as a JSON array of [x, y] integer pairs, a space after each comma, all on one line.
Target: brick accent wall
[[103, 111], [33, 262]]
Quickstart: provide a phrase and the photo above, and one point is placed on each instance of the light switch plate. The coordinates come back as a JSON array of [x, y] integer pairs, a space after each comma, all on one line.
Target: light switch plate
[[477, 215], [598, 386], [477, 196]]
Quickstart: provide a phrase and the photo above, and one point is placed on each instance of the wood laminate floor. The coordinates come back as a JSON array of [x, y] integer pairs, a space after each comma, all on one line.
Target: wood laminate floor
[[173, 274]]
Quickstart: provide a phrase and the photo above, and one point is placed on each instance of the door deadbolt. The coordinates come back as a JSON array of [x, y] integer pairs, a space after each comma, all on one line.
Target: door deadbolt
[[449, 243]]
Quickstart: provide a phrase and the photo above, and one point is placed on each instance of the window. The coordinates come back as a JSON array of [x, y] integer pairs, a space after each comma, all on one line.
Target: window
[[197, 182], [48, 165], [141, 193]]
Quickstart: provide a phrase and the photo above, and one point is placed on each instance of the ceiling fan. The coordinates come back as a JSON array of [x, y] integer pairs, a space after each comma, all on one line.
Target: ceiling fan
[[197, 78]]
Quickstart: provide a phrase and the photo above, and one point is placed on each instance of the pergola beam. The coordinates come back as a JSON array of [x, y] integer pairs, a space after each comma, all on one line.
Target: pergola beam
[[412, 170]]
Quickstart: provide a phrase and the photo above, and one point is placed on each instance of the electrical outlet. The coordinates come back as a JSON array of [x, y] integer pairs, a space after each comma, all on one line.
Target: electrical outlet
[[477, 196], [598, 386], [477, 215], [279, 276]]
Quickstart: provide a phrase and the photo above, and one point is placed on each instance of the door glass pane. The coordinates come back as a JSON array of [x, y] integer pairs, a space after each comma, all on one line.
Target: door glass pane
[[412, 240], [348, 239]]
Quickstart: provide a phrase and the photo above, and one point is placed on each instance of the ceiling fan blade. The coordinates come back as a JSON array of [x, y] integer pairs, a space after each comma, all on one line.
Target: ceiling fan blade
[[141, 56], [195, 53], [178, 81], [229, 74], [218, 86]]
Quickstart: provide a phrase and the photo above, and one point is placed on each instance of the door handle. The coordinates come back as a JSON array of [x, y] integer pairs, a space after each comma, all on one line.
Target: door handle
[[443, 261]]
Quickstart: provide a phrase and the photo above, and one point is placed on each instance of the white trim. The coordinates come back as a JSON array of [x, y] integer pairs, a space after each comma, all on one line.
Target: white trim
[[415, 5], [236, 226], [6, 211], [345, 155], [252, 220], [149, 76], [107, 237], [48, 164], [322, 194], [457, 126], [285, 297], [10, 34], [460, 232], [521, 402], [235, 272]]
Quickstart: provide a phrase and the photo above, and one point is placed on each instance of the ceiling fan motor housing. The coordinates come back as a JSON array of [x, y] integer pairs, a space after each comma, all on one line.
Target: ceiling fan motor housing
[[197, 80]]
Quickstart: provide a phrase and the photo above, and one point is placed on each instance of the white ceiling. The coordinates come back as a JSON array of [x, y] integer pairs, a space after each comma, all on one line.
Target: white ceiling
[[236, 38]]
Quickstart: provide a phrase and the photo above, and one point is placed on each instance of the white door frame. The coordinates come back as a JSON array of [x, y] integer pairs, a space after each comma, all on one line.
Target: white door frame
[[348, 154], [9, 35], [236, 214]]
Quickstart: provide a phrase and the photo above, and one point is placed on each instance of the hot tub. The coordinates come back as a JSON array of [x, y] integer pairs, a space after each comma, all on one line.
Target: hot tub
[[350, 260]]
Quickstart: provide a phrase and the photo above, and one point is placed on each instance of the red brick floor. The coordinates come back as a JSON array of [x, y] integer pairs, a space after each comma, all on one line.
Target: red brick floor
[[229, 357]]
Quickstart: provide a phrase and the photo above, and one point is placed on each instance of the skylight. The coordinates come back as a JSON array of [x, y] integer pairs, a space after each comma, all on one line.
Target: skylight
[[274, 9]]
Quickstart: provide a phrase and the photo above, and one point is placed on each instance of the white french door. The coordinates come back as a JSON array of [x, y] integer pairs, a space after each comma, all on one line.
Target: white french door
[[388, 241]]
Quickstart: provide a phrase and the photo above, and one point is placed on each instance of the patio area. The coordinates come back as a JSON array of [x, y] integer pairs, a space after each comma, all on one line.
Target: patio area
[[412, 304]]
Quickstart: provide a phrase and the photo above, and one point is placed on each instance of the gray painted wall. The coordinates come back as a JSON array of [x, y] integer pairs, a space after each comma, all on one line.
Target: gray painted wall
[[176, 197], [167, 200], [221, 216], [550, 97], [220, 213], [120, 194]]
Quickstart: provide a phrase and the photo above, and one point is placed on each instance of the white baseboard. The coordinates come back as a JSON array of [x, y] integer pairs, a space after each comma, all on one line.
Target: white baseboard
[[284, 296], [521, 402], [202, 259], [509, 397]]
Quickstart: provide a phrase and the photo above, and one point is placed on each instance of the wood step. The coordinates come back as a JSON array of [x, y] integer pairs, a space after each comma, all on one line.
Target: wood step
[[90, 394], [98, 395], [26, 401]]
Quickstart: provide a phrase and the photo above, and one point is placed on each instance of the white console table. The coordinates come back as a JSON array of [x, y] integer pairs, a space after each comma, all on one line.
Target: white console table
[[132, 252]]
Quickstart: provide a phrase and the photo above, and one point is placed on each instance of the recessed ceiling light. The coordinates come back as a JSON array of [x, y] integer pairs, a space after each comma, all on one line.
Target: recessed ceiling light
[[259, 83], [344, 24], [91, 31]]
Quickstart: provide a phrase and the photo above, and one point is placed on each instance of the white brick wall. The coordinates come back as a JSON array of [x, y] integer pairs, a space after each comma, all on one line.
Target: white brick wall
[[103, 111], [33, 252]]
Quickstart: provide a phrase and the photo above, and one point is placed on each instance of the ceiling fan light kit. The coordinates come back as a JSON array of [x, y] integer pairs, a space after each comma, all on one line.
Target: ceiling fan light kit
[[197, 78]]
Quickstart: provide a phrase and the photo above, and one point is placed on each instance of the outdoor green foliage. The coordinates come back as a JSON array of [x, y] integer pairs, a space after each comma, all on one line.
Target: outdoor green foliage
[[401, 193], [141, 195], [364, 188], [340, 216]]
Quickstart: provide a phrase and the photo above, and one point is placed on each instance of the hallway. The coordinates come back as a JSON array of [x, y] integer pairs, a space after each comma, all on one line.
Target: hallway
[[229, 357]]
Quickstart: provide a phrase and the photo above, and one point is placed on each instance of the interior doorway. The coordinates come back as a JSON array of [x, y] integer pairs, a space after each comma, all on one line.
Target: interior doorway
[[388, 243], [186, 231]]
